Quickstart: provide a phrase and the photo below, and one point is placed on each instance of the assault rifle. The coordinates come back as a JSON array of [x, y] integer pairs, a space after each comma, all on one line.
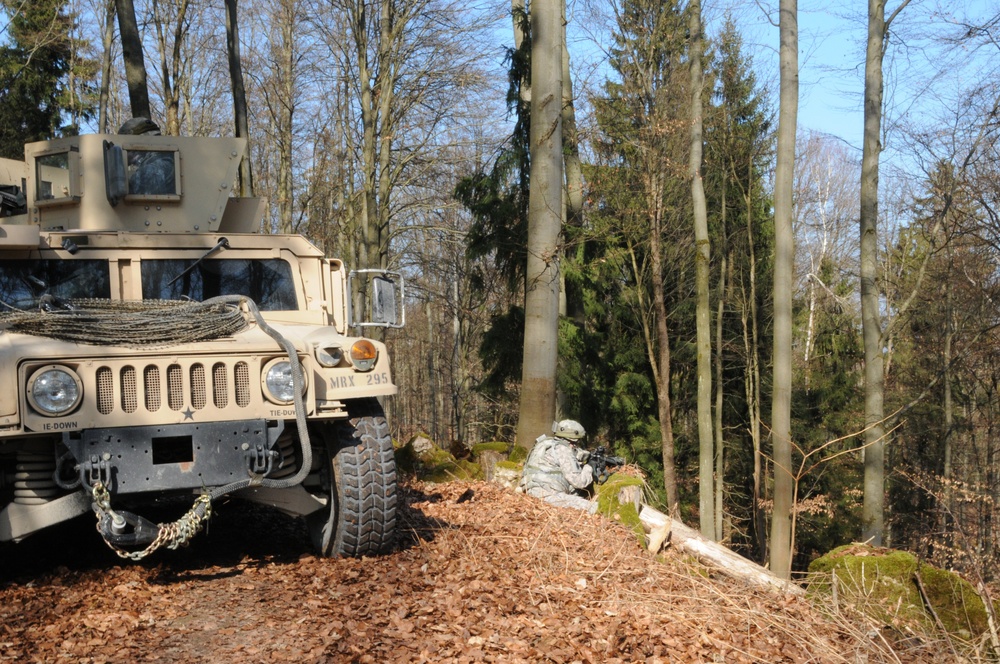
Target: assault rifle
[[600, 462]]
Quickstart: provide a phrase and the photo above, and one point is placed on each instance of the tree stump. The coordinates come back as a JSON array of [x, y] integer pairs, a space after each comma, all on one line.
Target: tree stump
[[488, 462]]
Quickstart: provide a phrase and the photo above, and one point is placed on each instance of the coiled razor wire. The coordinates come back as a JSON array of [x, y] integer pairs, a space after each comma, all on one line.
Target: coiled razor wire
[[131, 323]]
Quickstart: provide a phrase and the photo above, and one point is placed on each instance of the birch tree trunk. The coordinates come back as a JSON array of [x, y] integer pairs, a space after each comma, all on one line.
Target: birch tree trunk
[[541, 302], [784, 252]]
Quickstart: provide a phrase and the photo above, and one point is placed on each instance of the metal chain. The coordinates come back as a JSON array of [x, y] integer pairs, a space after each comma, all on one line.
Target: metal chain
[[172, 535]]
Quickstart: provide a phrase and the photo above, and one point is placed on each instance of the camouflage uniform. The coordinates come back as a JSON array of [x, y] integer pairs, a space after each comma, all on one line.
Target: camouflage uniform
[[553, 473]]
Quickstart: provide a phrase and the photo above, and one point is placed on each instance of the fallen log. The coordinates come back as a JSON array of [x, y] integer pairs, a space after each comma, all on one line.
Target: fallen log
[[710, 553]]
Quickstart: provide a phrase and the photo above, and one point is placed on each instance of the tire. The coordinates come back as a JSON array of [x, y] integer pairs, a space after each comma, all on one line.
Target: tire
[[359, 475]]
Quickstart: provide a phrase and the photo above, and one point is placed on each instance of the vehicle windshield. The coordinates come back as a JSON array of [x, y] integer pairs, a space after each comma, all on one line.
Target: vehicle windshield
[[24, 282], [268, 282]]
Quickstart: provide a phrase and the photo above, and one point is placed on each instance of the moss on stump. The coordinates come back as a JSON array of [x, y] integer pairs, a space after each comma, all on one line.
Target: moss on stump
[[609, 504]]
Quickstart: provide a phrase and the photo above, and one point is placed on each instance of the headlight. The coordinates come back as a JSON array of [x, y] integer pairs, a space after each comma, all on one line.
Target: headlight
[[278, 384], [363, 355], [329, 356], [54, 390]]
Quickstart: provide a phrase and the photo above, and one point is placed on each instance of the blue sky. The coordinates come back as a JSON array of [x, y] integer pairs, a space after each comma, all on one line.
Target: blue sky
[[926, 76]]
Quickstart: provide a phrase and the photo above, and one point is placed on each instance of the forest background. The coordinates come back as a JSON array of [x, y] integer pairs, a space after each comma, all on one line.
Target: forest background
[[393, 133]]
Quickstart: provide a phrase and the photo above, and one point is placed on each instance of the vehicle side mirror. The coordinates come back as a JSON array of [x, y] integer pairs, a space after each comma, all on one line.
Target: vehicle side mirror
[[115, 182], [383, 297]]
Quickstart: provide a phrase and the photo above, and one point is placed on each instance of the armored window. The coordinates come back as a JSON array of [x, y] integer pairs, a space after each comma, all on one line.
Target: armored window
[[24, 284], [152, 174], [55, 178], [268, 282]]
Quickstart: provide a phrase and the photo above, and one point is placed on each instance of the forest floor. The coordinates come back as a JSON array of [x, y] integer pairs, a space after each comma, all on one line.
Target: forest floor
[[480, 574]]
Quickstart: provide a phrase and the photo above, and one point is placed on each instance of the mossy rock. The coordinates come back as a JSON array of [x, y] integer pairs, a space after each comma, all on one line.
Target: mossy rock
[[449, 471], [882, 583], [507, 473], [498, 446], [610, 506], [406, 460], [420, 457], [517, 454], [955, 601]]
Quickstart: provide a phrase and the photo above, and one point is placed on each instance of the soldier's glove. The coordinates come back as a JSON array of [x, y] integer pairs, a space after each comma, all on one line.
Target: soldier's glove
[[582, 455]]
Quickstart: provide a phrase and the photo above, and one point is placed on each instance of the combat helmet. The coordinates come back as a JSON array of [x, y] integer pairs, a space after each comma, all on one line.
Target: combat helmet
[[568, 429]]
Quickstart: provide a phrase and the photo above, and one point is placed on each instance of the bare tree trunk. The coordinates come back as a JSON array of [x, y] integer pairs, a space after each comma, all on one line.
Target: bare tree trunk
[[720, 460], [458, 368], [873, 508], [517, 14], [541, 302], [703, 315], [172, 65], [947, 521], [784, 254], [574, 175], [106, 42], [241, 121], [386, 95], [658, 345], [135, 65], [434, 387], [751, 381], [286, 113], [654, 203]]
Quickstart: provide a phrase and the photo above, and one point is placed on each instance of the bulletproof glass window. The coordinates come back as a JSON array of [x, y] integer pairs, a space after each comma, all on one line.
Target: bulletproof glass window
[[52, 177], [24, 283], [268, 282], [152, 172]]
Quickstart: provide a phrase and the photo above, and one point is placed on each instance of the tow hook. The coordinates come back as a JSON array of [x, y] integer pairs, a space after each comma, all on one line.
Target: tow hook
[[122, 528], [259, 459]]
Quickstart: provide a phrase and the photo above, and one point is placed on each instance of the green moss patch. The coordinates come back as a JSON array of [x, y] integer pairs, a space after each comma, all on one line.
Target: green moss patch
[[449, 471], [518, 454], [883, 584], [497, 446], [433, 464], [610, 506]]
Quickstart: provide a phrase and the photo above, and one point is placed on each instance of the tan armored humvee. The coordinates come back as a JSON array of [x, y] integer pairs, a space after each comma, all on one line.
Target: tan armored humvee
[[152, 345]]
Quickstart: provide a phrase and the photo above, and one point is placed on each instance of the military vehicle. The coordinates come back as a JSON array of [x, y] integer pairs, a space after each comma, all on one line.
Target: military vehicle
[[156, 349]]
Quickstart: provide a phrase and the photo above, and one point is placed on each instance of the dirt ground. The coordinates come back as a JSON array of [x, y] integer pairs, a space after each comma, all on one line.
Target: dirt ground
[[481, 574]]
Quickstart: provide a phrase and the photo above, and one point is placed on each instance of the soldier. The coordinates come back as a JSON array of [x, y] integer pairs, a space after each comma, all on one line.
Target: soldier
[[556, 469]]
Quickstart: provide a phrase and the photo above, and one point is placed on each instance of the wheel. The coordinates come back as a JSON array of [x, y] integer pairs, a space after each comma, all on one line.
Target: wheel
[[359, 477]]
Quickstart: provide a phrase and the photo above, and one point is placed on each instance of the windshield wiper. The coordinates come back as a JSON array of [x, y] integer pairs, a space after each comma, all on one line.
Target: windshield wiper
[[223, 243]]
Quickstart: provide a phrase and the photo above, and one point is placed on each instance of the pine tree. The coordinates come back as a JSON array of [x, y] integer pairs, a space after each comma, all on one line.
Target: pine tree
[[34, 67], [738, 154], [643, 190]]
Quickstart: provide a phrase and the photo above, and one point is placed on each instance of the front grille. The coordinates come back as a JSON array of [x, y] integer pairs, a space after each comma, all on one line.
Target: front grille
[[129, 388]]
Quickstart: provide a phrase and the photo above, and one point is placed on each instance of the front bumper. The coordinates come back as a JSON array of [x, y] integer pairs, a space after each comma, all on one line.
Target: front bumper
[[141, 459]]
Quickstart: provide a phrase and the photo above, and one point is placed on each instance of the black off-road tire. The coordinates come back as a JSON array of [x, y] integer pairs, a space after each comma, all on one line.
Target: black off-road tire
[[361, 475]]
